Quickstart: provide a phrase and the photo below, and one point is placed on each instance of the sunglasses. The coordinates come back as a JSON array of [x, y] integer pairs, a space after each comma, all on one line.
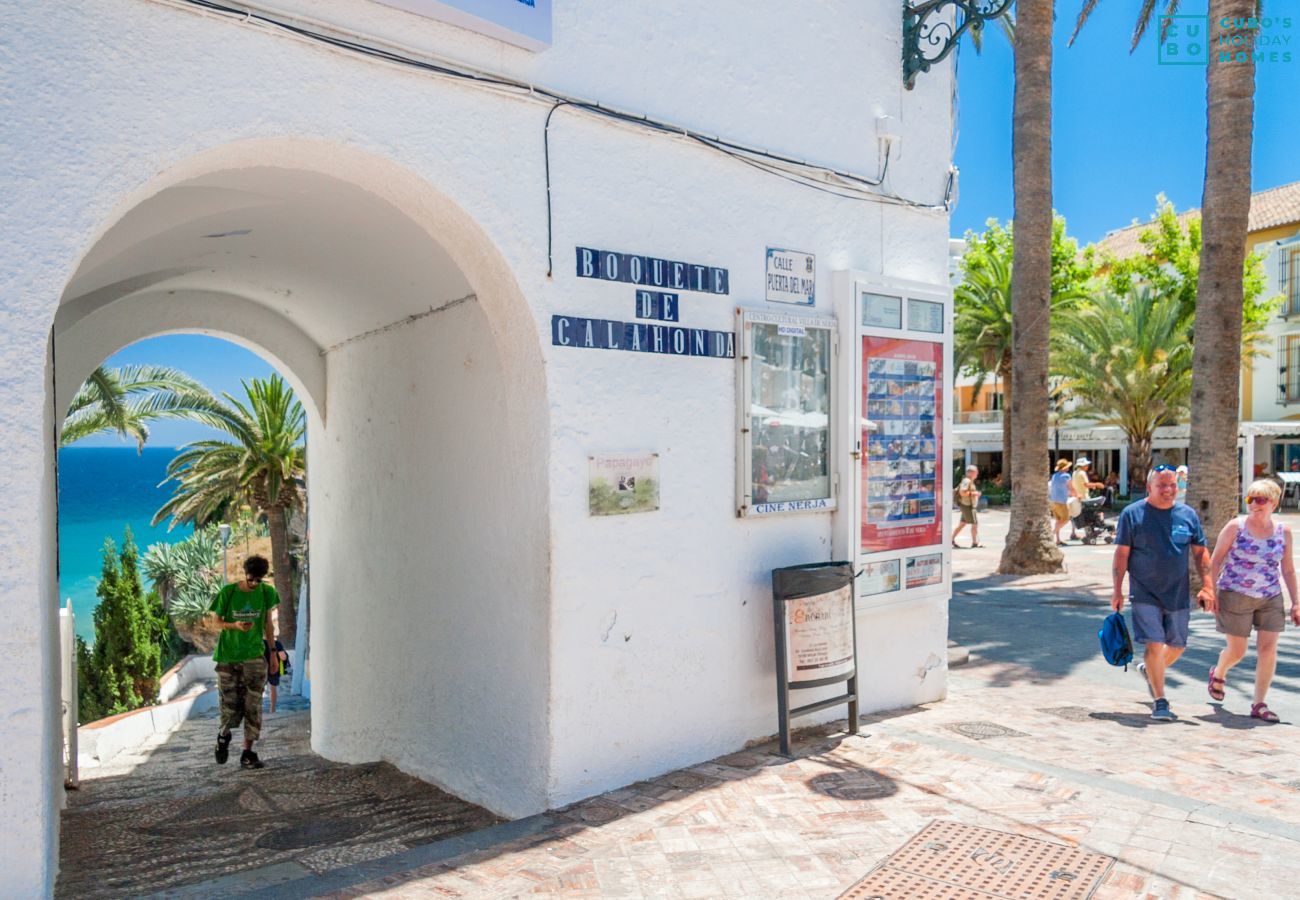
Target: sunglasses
[[1164, 467], [1258, 499]]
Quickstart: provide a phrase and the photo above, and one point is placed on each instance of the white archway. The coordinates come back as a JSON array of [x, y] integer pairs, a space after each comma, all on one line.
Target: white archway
[[404, 330]]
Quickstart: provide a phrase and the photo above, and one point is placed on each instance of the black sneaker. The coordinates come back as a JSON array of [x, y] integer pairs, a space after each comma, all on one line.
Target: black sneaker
[[223, 747], [249, 760]]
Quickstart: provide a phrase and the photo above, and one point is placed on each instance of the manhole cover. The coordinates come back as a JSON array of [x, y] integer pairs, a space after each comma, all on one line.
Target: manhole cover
[[951, 860], [859, 785], [311, 834], [1073, 713], [980, 731], [741, 761]]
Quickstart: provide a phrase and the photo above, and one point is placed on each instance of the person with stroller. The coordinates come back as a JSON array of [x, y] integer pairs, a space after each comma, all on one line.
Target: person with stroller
[[1251, 562], [1081, 482]]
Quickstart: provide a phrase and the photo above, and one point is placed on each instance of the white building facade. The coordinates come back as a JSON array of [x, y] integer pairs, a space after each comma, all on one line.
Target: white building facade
[[401, 231]]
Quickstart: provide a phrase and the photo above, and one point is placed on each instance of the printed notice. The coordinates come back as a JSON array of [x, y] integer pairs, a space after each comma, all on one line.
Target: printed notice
[[879, 578], [819, 636], [924, 570]]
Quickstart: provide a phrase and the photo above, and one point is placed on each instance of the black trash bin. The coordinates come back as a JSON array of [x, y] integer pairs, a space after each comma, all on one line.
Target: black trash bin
[[816, 638]]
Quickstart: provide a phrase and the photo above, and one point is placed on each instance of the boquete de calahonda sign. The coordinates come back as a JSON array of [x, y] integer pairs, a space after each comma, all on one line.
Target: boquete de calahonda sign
[[655, 300]]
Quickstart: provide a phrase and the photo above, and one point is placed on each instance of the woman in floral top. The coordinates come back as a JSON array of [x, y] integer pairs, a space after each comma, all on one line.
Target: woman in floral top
[[1252, 557]]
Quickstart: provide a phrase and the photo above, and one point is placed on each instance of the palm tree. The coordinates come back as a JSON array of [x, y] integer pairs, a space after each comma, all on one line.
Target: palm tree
[[1126, 361], [264, 465], [125, 400], [982, 305], [1225, 211], [1030, 547], [982, 334], [162, 566]]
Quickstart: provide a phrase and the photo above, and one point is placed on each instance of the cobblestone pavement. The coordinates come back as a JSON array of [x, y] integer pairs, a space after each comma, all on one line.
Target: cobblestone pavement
[[1037, 738], [167, 815]]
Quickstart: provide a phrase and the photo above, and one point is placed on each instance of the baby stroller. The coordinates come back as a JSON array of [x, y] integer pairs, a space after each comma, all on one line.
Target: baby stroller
[[1091, 522]]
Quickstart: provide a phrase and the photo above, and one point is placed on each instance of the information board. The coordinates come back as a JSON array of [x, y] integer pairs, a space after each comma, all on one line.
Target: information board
[[902, 437]]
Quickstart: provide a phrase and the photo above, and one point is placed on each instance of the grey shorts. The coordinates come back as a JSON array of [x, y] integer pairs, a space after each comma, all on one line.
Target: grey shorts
[[1153, 624], [1238, 612], [968, 515]]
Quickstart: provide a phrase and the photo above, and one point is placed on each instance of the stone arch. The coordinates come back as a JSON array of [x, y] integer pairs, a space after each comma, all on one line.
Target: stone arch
[[427, 456]]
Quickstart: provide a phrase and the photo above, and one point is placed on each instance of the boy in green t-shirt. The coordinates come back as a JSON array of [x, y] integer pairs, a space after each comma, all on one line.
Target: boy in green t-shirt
[[243, 613]]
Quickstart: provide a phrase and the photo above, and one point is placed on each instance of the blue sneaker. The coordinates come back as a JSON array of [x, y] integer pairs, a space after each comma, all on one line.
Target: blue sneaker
[[1161, 712]]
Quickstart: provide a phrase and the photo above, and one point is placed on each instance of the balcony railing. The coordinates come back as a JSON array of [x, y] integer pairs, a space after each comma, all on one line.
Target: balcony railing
[[979, 417]]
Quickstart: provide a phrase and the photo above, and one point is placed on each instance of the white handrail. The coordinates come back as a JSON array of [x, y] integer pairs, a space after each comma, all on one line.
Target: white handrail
[[68, 679]]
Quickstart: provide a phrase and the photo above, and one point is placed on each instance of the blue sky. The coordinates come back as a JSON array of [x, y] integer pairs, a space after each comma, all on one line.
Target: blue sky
[[1124, 127]]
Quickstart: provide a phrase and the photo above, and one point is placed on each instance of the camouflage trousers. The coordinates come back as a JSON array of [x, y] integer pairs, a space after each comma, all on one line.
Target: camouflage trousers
[[240, 686]]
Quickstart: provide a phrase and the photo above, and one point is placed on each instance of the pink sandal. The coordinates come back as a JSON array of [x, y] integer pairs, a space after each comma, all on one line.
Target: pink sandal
[[1262, 712], [1215, 686]]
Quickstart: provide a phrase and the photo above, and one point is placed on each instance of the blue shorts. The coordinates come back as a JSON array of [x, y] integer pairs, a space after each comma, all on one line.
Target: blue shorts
[[1153, 624]]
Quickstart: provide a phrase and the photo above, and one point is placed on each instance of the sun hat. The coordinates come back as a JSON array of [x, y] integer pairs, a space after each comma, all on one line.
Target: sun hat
[[1062, 465], [1083, 461]]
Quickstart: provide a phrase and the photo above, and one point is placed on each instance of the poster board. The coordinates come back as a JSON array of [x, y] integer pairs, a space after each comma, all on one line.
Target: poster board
[[902, 444]]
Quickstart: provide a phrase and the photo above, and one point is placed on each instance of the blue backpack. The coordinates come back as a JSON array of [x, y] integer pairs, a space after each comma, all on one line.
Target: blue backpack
[[1116, 645]]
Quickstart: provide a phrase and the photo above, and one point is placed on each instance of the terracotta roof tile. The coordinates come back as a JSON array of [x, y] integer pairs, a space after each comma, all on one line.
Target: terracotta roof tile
[[1268, 209]]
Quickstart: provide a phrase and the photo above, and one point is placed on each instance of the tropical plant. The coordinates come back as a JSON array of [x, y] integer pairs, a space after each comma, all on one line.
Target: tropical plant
[[1125, 361], [982, 304], [121, 672], [162, 566], [1225, 215], [1170, 263], [1030, 547], [126, 400], [264, 466]]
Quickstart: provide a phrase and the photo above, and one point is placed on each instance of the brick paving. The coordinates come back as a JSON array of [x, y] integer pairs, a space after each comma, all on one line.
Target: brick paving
[[1062, 751], [1037, 738]]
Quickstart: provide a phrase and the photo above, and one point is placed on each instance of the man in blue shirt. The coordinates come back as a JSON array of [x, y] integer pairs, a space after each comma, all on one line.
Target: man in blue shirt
[[1152, 544]]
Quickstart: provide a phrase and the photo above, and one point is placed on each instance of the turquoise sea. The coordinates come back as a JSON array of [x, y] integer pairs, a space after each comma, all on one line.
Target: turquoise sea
[[102, 490]]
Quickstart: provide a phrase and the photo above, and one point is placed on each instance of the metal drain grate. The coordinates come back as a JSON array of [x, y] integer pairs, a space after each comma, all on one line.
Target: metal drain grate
[[980, 731], [1072, 713], [862, 784], [951, 860]]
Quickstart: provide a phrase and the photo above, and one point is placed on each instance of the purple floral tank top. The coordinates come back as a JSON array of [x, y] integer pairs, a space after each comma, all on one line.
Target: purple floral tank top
[[1253, 566]]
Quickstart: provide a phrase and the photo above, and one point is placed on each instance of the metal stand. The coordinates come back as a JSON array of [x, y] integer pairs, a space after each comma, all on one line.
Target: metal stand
[[783, 685]]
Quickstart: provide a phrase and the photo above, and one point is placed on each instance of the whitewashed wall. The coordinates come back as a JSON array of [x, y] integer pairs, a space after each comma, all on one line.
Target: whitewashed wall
[[429, 633], [584, 652]]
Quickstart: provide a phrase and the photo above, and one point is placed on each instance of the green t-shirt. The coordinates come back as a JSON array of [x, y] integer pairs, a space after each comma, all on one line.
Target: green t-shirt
[[234, 605]]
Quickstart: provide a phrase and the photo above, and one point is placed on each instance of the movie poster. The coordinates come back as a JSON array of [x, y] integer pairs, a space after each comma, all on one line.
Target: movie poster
[[902, 444]]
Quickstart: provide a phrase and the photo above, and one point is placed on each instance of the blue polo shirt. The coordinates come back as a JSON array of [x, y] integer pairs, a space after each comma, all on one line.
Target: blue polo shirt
[[1161, 542]]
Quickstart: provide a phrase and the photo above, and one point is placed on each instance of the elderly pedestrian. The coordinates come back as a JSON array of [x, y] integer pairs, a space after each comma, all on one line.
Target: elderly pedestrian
[[1252, 559], [1058, 493], [1154, 540], [1181, 472], [968, 498]]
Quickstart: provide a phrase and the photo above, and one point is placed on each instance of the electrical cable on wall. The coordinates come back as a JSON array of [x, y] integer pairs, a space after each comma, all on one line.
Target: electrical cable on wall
[[824, 179]]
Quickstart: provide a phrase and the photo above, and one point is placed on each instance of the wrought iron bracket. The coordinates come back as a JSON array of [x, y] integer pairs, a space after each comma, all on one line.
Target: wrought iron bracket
[[928, 36]]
